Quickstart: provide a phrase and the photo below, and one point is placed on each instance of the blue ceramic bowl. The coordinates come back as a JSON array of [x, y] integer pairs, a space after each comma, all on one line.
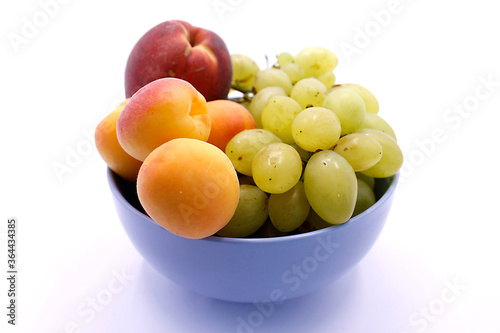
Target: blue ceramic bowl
[[253, 269]]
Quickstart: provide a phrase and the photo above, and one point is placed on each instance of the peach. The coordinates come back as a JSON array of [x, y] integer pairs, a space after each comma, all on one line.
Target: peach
[[188, 187], [162, 110], [228, 118], [178, 49], [110, 150]]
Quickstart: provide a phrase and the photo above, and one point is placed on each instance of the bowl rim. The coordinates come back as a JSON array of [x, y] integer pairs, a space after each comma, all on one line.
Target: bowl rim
[[219, 239]]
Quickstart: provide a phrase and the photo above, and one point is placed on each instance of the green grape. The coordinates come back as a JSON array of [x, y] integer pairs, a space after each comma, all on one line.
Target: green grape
[[289, 210], [272, 77], [250, 214], [316, 60], [317, 222], [276, 168], [304, 154], [365, 199], [278, 116], [331, 186], [371, 102], [245, 180], [373, 120], [246, 104], [349, 108], [305, 227], [269, 230], [294, 72], [242, 148], [316, 128], [244, 71], [328, 79], [360, 150], [309, 92], [392, 156], [284, 58], [367, 179], [260, 100]]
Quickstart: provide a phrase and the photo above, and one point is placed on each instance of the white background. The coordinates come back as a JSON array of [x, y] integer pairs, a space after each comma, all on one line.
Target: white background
[[424, 61]]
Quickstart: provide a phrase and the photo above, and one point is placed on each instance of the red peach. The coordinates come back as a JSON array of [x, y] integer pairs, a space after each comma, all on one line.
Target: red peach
[[178, 49]]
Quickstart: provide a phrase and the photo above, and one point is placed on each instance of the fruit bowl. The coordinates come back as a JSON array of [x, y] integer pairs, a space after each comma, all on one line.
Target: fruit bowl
[[253, 269]]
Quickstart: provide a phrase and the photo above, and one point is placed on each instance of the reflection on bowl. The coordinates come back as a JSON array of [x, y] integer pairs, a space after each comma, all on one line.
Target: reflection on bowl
[[253, 269]]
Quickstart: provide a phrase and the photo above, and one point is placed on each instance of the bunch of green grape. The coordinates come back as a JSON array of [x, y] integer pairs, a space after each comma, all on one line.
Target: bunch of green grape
[[318, 147]]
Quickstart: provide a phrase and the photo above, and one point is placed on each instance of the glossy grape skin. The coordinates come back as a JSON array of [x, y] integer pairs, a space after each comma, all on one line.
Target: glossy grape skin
[[375, 121], [365, 198], [242, 148], [353, 136], [294, 72], [309, 92], [250, 214], [367, 179], [331, 186], [272, 77], [392, 156], [316, 60], [371, 102], [244, 71], [284, 58], [289, 210], [260, 100], [349, 108], [360, 150], [316, 128], [278, 116], [328, 79], [276, 168]]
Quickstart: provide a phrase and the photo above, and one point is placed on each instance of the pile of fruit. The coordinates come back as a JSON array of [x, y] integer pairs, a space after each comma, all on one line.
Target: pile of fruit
[[294, 152]]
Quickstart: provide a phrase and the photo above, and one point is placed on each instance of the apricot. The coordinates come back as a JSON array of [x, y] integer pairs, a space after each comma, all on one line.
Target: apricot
[[227, 119], [110, 150], [160, 111], [188, 187]]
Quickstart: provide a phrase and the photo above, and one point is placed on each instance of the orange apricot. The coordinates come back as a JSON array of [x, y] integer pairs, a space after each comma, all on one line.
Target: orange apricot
[[189, 187], [160, 111], [228, 118], [110, 150]]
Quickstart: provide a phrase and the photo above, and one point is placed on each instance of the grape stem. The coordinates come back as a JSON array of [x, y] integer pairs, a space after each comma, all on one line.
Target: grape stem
[[246, 97]]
